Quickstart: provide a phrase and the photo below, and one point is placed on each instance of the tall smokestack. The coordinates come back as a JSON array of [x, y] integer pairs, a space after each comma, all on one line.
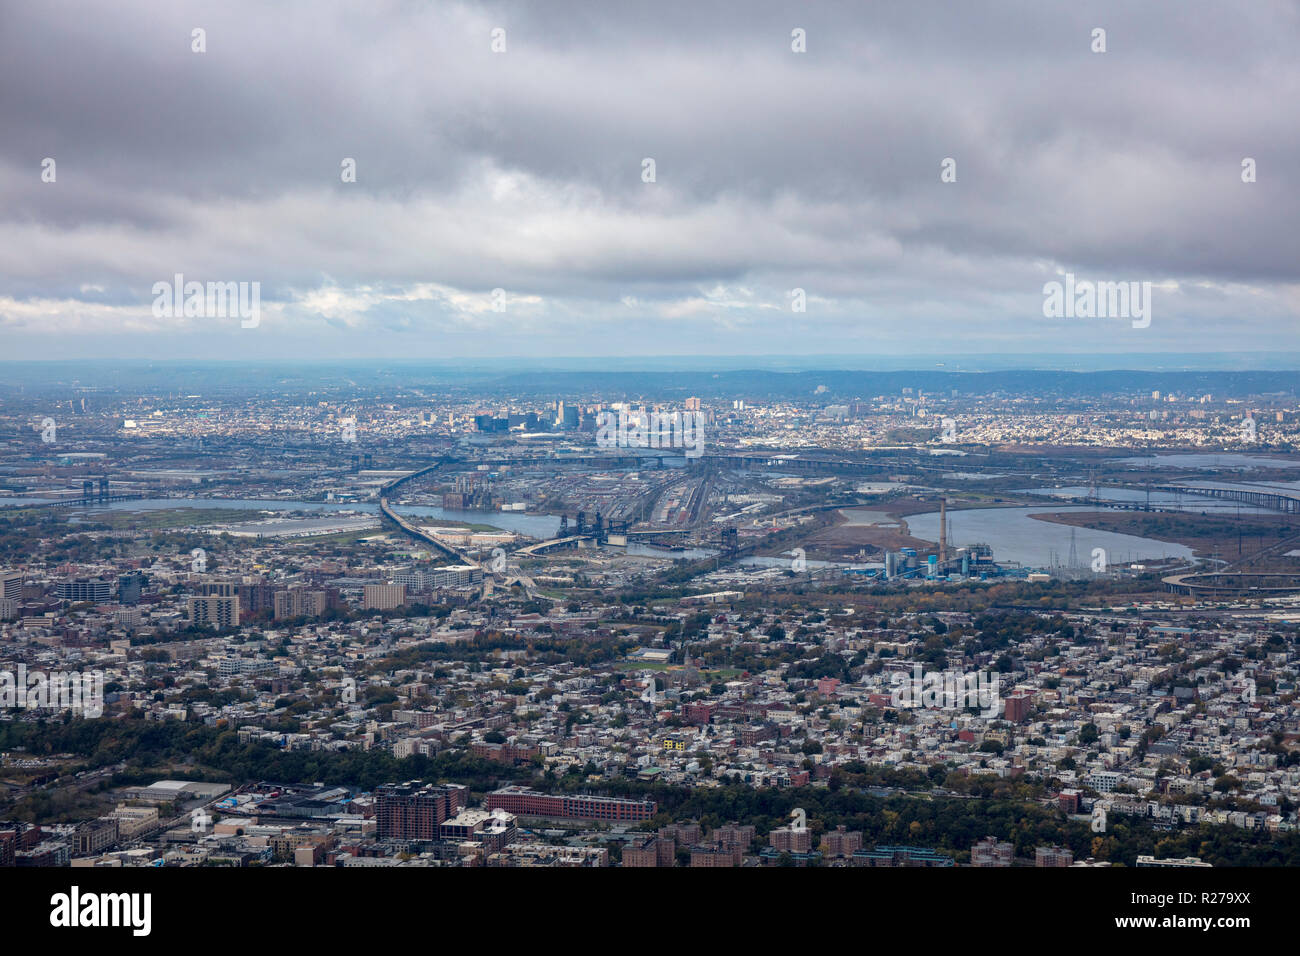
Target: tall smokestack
[[943, 530]]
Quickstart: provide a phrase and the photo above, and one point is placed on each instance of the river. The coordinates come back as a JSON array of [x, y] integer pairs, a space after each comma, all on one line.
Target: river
[[1014, 536], [535, 526]]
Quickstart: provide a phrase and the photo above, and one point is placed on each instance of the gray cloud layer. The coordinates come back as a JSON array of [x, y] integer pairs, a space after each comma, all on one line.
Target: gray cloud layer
[[522, 171]]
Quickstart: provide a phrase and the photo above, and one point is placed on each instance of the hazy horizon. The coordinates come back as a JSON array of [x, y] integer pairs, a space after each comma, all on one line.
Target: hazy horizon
[[971, 362]]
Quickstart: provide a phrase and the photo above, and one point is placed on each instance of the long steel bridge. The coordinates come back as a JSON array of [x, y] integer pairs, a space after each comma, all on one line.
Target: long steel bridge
[[82, 502], [1272, 500]]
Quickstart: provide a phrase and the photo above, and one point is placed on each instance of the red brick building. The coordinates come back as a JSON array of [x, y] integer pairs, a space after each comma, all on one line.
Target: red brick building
[[503, 753], [841, 842], [698, 714], [991, 852], [524, 802], [787, 840], [409, 811], [643, 854], [712, 856], [1017, 708], [1053, 856], [687, 833]]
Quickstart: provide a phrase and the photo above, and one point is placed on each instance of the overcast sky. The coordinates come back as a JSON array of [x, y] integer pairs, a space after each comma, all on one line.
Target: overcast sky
[[522, 170]]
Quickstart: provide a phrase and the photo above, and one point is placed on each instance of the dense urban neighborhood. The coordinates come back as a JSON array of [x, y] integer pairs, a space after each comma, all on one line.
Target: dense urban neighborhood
[[509, 643]]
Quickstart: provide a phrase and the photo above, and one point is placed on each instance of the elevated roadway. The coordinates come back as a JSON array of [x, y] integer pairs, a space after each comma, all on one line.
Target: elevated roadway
[[459, 556]]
